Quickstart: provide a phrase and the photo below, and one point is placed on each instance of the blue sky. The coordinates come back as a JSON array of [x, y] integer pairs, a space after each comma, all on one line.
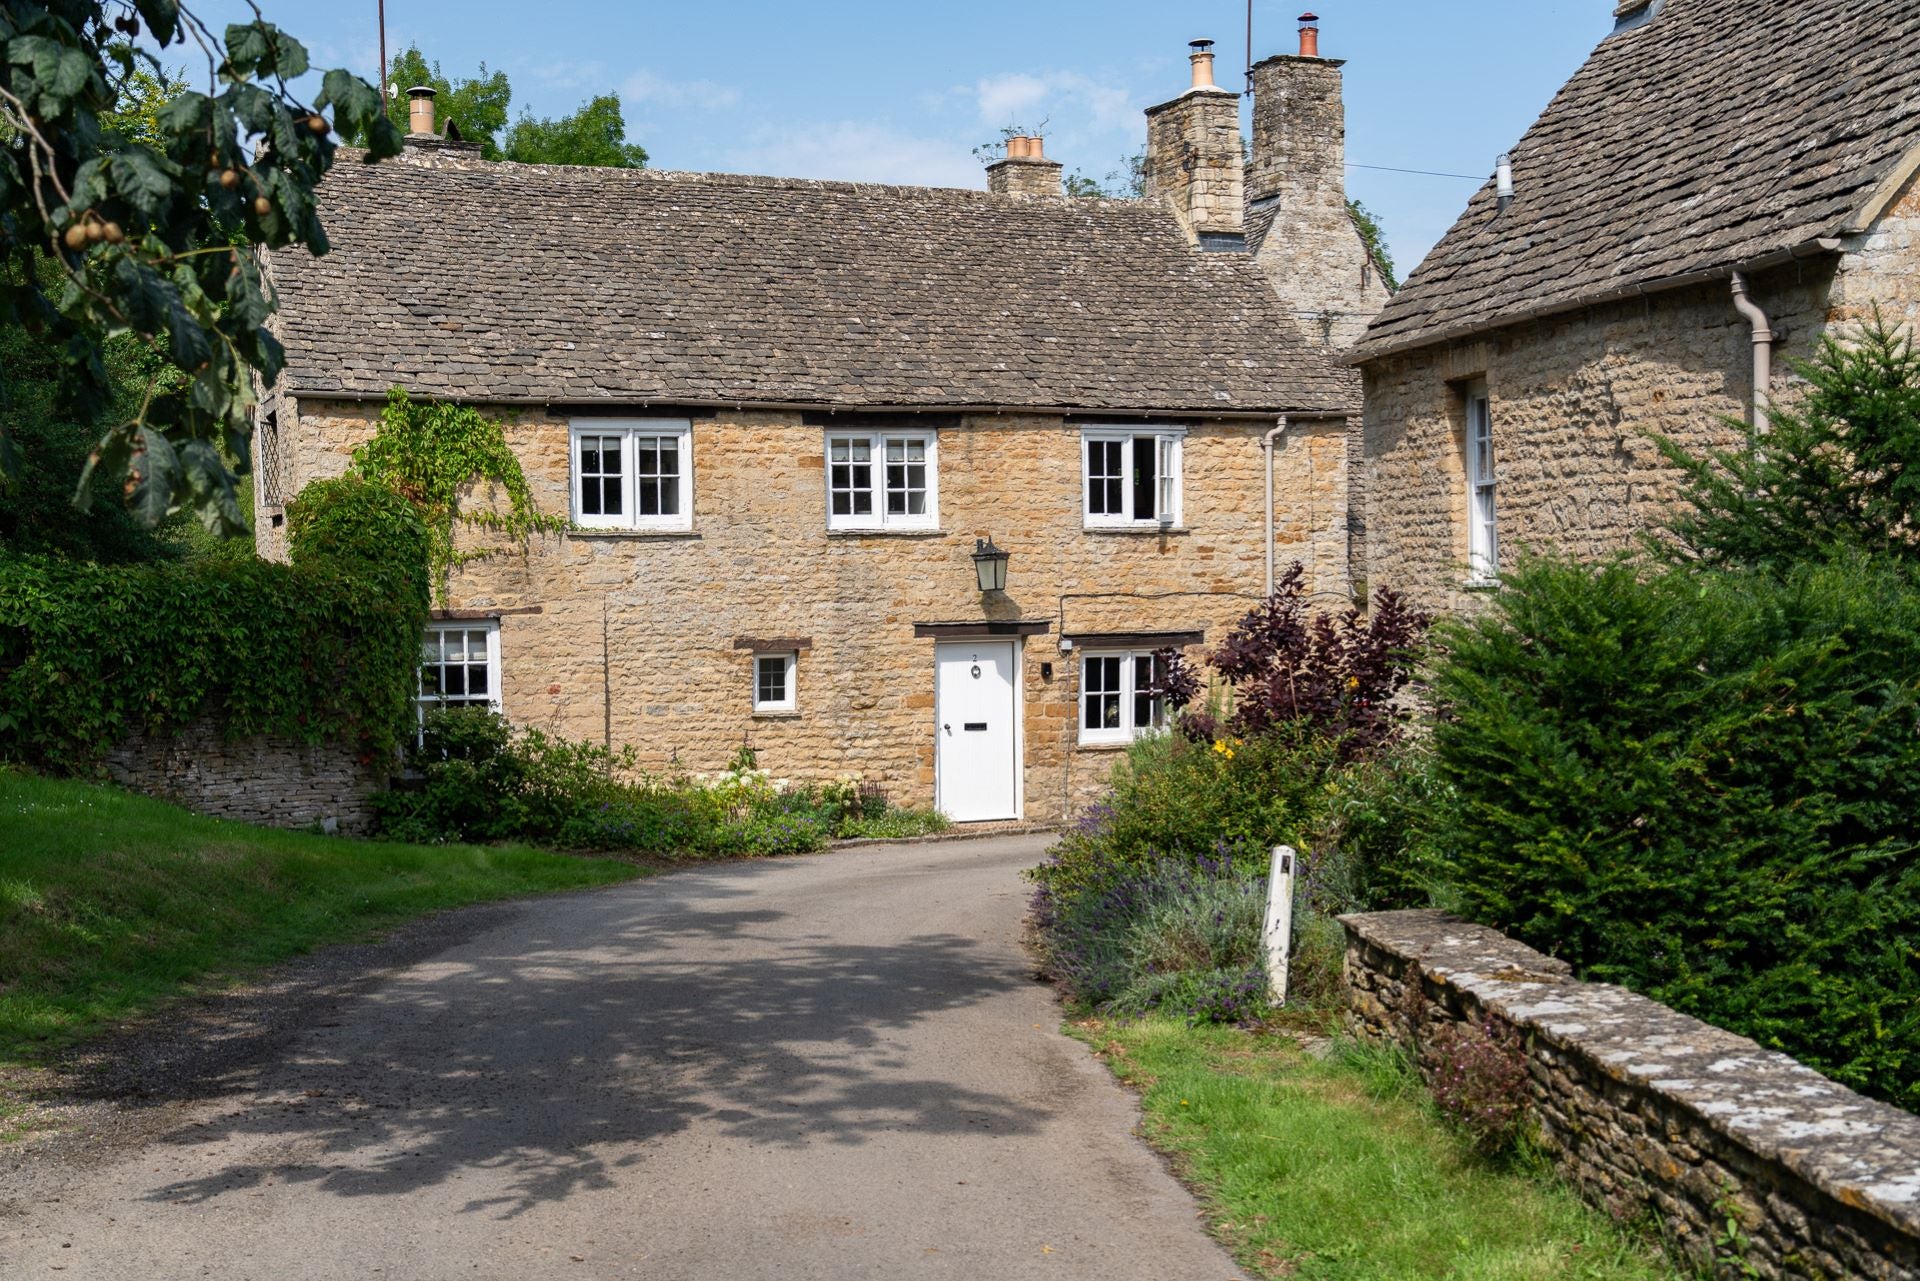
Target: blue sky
[[903, 92]]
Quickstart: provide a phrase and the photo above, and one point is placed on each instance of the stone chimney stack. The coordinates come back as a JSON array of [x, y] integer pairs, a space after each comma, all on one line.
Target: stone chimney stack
[[1297, 185], [1195, 162], [1026, 171]]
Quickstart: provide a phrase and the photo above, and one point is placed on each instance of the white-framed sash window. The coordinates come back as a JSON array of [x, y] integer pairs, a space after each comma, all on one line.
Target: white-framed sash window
[[883, 480], [1483, 522], [633, 473], [459, 666], [1131, 478], [773, 682], [1117, 704]]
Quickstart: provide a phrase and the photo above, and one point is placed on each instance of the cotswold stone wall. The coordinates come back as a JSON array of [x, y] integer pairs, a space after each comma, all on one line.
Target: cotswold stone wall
[[1573, 401], [633, 638], [1648, 1109], [1575, 397], [276, 782]]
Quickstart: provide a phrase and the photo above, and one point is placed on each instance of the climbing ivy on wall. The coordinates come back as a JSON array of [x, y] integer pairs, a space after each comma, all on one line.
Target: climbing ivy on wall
[[430, 453]]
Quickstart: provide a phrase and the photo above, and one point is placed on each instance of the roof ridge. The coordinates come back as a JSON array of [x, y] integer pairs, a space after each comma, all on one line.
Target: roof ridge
[[774, 182]]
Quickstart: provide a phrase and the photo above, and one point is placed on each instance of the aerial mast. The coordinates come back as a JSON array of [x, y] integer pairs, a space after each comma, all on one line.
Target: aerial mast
[[383, 54]]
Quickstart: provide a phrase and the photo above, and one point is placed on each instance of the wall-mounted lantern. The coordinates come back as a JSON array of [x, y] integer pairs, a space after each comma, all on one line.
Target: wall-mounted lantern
[[990, 564]]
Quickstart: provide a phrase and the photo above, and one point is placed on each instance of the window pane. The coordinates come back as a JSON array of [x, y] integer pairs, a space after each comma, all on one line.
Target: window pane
[[1100, 692], [771, 679], [1105, 463], [1149, 711], [455, 678], [906, 477], [1146, 478], [477, 680]]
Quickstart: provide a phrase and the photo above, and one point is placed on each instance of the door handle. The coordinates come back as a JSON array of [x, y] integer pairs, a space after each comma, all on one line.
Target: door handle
[[947, 728]]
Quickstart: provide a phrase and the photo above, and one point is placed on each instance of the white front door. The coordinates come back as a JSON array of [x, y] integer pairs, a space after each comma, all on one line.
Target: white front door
[[977, 765]]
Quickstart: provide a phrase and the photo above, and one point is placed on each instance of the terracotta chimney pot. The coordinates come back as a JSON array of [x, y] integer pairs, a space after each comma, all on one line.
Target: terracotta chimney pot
[[1309, 35], [1202, 59], [1036, 147], [420, 111], [1017, 148]]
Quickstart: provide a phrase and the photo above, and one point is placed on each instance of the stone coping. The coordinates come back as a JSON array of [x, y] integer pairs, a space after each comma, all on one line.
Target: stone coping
[[1863, 1153]]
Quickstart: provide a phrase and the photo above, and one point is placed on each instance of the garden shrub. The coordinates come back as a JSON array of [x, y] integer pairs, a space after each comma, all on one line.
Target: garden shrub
[[476, 777], [325, 648], [1174, 800], [1702, 785], [1178, 937], [1835, 472], [1299, 672]]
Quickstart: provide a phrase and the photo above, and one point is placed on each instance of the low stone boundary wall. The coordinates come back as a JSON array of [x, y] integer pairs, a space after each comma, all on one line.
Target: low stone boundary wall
[[276, 782], [1647, 1108]]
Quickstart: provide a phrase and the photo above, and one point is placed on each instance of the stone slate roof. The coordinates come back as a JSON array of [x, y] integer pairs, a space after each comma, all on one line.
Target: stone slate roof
[[458, 278], [1719, 133]]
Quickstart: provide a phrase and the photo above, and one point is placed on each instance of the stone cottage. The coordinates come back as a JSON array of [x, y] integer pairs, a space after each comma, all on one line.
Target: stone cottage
[[1723, 183], [787, 418]]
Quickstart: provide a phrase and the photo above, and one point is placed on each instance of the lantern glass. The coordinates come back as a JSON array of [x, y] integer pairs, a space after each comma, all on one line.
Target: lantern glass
[[990, 565]]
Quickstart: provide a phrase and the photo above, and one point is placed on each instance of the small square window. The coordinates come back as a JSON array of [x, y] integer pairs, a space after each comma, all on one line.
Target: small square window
[[773, 682]]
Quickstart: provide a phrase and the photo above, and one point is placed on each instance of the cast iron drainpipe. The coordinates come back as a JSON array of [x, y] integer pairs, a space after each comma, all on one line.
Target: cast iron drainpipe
[[1267, 445], [1762, 352]]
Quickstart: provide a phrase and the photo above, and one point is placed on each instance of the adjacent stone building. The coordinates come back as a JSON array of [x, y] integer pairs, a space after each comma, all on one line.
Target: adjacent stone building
[[1723, 183], [785, 416]]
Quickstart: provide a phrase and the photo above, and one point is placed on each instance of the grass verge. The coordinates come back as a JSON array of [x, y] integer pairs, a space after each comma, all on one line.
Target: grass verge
[[111, 903], [1337, 1168]]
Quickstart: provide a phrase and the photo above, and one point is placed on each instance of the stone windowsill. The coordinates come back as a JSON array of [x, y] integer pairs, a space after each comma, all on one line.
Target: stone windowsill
[[686, 535], [1079, 746], [889, 533], [1137, 531], [776, 716]]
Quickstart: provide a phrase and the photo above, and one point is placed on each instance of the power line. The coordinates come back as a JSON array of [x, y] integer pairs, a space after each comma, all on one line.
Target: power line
[[1426, 173]]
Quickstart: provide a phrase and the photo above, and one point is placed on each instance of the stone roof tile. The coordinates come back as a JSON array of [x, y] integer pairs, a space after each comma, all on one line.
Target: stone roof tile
[[484, 281], [1718, 133]]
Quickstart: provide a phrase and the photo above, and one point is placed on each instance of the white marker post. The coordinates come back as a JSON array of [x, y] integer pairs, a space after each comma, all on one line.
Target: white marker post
[[1278, 936]]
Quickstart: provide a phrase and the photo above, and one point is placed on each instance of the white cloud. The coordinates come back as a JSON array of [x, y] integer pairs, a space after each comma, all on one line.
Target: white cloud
[[1018, 97], [706, 95], [856, 151], [569, 73]]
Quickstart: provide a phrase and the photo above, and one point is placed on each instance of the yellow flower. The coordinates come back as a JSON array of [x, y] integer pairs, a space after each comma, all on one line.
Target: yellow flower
[[1353, 682]]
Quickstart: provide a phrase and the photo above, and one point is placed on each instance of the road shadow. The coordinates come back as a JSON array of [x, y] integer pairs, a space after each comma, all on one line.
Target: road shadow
[[557, 1055]]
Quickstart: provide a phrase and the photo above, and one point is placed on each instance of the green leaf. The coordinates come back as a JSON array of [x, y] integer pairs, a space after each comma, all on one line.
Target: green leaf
[[145, 180], [213, 489], [162, 17], [248, 46], [153, 473], [108, 461]]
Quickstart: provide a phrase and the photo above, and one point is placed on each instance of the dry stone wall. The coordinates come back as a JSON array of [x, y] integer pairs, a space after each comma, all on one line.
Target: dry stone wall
[[276, 782], [1647, 1109], [633, 639]]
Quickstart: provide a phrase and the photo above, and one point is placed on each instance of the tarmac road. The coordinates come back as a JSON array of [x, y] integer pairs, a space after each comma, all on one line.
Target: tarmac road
[[830, 1067]]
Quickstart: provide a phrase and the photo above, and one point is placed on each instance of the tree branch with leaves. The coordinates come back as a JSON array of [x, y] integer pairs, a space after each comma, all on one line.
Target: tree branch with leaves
[[154, 226]]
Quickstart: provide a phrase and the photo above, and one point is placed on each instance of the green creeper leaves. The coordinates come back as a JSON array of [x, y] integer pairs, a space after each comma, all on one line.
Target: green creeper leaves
[[152, 197]]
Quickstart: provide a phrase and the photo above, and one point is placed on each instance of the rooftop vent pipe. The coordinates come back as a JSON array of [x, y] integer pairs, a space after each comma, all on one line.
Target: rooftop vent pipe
[[1202, 59], [1309, 35], [1503, 180]]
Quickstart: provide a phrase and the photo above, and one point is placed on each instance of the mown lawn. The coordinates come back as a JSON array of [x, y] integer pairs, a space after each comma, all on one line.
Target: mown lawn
[[110, 903], [1337, 1168]]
